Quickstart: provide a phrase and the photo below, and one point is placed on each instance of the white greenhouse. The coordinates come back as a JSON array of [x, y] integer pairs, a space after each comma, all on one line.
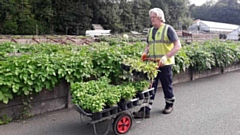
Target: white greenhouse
[[234, 35], [212, 27]]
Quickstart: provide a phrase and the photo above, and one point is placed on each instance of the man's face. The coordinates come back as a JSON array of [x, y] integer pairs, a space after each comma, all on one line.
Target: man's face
[[154, 19]]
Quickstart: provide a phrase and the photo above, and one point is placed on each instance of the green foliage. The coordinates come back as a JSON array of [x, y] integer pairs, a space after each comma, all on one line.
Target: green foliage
[[173, 9], [88, 94], [96, 94], [225, 53], [215, 11], [127, 92], [201, 59], [210, 54], [140, 11], [10, 27], [71, 17], [27, 69], [139, 85], [137, 65], [44, 20], [185, 22], [182, 61], [106, 60], [4, 119]]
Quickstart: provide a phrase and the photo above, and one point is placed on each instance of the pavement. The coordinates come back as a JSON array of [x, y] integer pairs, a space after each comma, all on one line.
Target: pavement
[[206, 106]]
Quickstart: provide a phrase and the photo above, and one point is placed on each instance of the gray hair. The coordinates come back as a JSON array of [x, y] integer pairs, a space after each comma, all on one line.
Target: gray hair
[[159, 13]]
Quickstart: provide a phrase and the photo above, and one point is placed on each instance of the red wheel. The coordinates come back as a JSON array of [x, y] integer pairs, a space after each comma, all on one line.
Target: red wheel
[[122, 124]]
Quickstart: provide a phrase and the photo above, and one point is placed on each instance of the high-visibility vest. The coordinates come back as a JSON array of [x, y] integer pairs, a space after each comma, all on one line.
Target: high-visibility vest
[[161, 45]]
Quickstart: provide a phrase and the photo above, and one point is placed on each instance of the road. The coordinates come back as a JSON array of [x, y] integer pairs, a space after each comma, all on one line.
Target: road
[[206, 106]]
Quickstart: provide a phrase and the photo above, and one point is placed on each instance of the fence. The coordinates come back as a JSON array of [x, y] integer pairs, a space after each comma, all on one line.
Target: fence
[[52, 39]]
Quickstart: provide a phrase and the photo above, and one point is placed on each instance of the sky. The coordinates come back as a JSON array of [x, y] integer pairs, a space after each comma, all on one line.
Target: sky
[[198, 2]]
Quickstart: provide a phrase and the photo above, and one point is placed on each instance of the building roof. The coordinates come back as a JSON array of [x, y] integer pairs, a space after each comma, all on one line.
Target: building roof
[[217, 25]]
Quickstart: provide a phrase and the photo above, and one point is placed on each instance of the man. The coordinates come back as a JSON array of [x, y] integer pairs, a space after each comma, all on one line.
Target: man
[[163, 44]]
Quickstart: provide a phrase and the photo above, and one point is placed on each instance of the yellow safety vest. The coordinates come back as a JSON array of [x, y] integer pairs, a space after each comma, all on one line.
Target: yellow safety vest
[[161, 45]]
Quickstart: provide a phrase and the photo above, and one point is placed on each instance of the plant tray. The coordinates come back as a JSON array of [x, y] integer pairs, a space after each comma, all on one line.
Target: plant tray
[[124, 105], [98, 115], [145, 94]]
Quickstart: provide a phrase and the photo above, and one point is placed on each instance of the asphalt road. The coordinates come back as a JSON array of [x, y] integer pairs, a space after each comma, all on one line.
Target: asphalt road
[[207, 106]]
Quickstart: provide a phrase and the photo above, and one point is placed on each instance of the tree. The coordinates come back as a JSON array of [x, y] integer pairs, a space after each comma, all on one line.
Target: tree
[[173, 9], [185, 22], [127, 16], [25, 18], [8, 24], [201, 12], [43, 13], [110, 17], [72, 17], [76, 16], [225, 11], [141, 15]]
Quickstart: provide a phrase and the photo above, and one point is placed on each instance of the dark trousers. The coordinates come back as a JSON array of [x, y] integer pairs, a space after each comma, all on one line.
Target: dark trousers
[[165, 76]]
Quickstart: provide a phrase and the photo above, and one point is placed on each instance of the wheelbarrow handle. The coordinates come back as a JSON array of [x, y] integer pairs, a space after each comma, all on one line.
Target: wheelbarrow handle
[[151, 59], [154, 60]]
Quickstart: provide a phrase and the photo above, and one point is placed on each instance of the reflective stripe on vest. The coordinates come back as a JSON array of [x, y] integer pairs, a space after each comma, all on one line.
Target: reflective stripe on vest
[[161, 45]]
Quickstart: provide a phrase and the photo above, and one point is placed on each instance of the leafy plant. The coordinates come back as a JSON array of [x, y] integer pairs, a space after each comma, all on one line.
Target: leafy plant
[[225, 53], [200, 58], [94, 71], [127, 91], [137, 65], [139, 85], [95, 95], [182, 61], [4, 119]]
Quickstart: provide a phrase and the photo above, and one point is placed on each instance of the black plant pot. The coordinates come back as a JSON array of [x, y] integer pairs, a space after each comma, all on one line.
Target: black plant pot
[[140, 95], [106, 113], [129, 104], [96, 115], [146, 94], [142, 75], [114, 110], [135, 73], [122, 105], [135, 102], [151, 92], [125, 67]]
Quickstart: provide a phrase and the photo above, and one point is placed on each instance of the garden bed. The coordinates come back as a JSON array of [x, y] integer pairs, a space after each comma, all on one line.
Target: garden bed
[[44, 101], [54, 63], [59, 97]]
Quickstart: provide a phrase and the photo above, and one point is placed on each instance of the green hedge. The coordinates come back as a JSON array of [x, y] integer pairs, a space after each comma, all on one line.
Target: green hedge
[[27, 69], [209, 54]]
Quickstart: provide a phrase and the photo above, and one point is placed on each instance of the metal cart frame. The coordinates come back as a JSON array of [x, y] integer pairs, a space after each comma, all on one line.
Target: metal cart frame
[[121, 120]]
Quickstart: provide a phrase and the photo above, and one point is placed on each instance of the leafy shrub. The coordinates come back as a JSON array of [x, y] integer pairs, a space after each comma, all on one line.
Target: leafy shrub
[[200, 58], [225, 53], [182, 61], [27, 69]]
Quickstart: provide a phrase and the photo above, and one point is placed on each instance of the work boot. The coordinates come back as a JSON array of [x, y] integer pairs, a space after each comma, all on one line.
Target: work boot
[[167, 109], [141, 114]]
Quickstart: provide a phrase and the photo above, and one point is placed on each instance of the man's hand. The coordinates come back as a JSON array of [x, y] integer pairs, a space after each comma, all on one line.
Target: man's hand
[[144, 56], [162, 61]]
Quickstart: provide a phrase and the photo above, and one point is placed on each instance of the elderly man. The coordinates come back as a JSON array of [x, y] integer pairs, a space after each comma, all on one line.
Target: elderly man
[[163, 44]]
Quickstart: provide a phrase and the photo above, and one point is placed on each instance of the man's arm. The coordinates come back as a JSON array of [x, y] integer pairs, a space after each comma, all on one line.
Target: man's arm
[[176, 48], [146, 49], [173, 37]]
